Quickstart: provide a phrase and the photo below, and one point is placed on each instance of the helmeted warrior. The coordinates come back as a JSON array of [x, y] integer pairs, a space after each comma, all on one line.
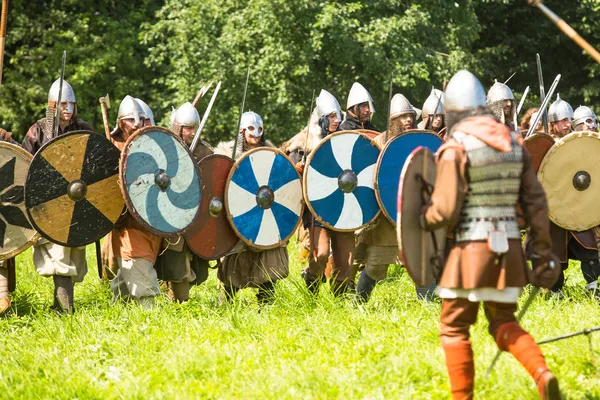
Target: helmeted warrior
[[129, 245], [433, 113], [66, 265], [501, 102], [584, 119], [486, 264], [147, 111], [246, 266], [360, 110], [530, 116], [177, 264], [560, 117], [328, 115], [403, 116]]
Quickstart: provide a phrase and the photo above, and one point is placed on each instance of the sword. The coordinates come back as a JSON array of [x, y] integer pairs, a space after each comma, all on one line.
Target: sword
[[3, 35], [237, 132], [542, 93], [312, 102], [566, 29], [570, 335], [387, 131], [543, 106], [56, 123], [201, 93], [204, 118], [525, 93]]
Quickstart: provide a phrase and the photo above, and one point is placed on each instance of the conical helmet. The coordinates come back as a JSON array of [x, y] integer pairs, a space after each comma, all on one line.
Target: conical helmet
[[400, 105], [147, 112], [327, 104], [434, 104], [560, 110], [499, 92], [464, 93], [583, 114], [358, 95]]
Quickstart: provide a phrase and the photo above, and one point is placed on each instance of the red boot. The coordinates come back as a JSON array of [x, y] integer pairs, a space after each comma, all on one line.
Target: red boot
[[461, 369], [511, 337]]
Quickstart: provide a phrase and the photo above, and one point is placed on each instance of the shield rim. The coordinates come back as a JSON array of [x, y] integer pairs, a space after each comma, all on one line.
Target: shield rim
[[367, 132], [545, 161], [215, 257], [376, 186], [47, 144], [304, 188], [230, 218], [123, 170], [399, 226], [36, 235]]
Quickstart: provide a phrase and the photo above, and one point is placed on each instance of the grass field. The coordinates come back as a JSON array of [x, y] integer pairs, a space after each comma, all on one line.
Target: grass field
[[300, 347]]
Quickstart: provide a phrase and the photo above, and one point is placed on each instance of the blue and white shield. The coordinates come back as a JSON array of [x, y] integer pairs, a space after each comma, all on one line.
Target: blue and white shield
[[263, 198], [390, 164], [339, 181], [160, 181]]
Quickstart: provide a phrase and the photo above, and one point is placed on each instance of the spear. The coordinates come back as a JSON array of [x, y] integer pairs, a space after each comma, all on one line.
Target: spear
[[312, 102], [3, 34], [387, 131], [237, 132]]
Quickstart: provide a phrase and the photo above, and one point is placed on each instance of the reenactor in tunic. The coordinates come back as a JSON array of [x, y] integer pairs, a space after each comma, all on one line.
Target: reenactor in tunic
[[129, 245], [486, 264], [380, 237], [359, 110], [65, 265], [176, 263], [584, 119], [433, 113], [501, 102], [246, 266]]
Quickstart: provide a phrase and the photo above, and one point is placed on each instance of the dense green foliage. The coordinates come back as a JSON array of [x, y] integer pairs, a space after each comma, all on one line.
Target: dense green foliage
[[162, 50], [298, 348]]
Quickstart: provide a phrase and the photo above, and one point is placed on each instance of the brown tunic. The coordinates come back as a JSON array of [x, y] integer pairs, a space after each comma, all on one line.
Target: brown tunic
[[472, 265], [35, 138]]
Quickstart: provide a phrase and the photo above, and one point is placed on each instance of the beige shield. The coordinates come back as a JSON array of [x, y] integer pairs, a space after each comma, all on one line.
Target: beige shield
[[570, 175]]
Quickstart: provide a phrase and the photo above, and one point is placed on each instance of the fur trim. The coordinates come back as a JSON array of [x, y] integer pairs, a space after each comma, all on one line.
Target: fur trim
[[297, 142]]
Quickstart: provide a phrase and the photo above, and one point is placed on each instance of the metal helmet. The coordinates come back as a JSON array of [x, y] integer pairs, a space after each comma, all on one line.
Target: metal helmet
[[560, 110], [67, 95], [130, 108], [359, 95], [499, 92], [186, 115], [252, 119], [582, 114], [400, 105], [464, 93], [434, 104], [148, 114], [327, 104]]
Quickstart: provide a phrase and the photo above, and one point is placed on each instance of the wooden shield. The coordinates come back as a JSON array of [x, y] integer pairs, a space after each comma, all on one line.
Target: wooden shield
[[371, 134], [203, 149], [263, 198], [161, 184], [570, 175], [538, 145], [390, 164], [211, 235], [72, 190], [16, 233], [421, 251], [339, 181]]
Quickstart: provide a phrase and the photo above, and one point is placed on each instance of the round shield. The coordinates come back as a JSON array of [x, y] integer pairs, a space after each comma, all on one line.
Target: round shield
[[160, 180], [421, 251], [338, 181], [371, 134], [211, 235], [202, 150], [570, 175], [263, 198], [390, 164], [72, 190], [538, 145], [16, 233]]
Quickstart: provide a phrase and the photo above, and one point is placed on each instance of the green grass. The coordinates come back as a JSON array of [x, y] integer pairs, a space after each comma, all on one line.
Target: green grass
[[299, 347]]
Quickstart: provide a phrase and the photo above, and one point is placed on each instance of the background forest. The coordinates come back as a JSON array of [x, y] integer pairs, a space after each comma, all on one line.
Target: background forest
[[162, 50]]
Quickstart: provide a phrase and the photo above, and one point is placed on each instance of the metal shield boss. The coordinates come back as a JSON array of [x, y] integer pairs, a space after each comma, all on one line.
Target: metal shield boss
[[339, 181], [72, 192], [160, 181], [211, 235], [16, 232], [570, 175], [421, 251], [390, 164], [263, 198]]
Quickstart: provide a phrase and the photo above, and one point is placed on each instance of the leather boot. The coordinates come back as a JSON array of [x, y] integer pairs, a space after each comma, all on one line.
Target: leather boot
[[340, 288], [63, 293], [461, 369], [364, 287], [181, 291], [312, 282], [512, 338]]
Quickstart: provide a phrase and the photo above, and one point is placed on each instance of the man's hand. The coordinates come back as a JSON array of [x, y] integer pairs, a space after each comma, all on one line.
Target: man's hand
[[545, 271]]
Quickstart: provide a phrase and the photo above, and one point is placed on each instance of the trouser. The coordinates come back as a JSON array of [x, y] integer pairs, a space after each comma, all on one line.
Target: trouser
[[457, 316], [136, 278], [590, 265], [342, 247], [52, 259]]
